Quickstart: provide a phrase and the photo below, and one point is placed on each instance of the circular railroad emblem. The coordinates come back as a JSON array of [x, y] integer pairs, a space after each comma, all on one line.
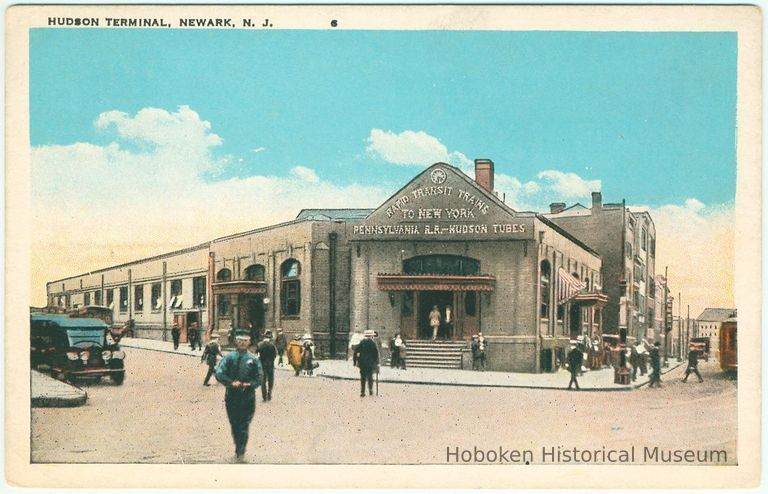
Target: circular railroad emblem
[[438, 175]]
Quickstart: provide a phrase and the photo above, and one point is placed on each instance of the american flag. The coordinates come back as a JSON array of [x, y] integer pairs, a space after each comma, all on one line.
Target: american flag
[[567, 286]]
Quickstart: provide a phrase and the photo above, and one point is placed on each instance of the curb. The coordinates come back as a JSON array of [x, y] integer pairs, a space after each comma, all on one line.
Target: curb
[[61, 394]]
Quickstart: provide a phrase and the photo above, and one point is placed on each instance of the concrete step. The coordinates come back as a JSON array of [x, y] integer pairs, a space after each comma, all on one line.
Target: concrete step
[[435, 365]]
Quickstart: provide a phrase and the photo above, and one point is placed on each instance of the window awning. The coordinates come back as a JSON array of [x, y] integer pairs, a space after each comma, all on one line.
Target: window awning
[[241, 287], [590, 298], [437, 282]]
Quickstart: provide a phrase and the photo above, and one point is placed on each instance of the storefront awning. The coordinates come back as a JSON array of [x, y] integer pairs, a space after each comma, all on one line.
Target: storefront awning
[[240, 288], [437, 282], [590, 298]]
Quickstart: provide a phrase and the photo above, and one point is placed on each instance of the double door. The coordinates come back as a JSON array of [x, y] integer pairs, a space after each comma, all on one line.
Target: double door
[[459, 314]]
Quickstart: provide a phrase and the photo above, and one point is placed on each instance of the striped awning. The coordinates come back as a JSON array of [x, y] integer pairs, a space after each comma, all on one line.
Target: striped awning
[[240, 287], [568, 286], [443, 283]]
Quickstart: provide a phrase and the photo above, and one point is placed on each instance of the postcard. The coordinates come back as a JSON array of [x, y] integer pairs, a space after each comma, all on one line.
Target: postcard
[[383, 246]]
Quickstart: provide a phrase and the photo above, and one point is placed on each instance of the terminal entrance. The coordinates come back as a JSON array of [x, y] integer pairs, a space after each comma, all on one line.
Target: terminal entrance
[[459, 314]]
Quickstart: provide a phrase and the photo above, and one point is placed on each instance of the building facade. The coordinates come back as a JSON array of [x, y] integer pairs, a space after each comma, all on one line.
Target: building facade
[[626, 242], [710, 323], [444, 242]]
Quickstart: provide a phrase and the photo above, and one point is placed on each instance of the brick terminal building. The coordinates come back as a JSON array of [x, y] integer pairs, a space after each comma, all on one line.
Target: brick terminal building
[[529, 282]]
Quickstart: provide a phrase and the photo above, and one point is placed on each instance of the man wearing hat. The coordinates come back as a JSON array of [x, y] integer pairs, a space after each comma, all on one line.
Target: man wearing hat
[[367, 358], [281, 342], [655, 366], [267, 353], [176, 335], [240, 371], [575, 359], [210, 355]]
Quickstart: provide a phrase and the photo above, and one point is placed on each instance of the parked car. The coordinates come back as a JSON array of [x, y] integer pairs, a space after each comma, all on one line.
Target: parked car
[[71, 348]]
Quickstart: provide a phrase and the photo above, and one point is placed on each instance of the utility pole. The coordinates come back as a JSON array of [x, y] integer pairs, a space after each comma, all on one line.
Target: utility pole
[[680, 326], [688, 328]]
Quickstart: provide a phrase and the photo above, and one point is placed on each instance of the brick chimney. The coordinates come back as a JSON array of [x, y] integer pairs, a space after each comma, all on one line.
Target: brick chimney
[[597, 201], [484, 174], [556, 207]]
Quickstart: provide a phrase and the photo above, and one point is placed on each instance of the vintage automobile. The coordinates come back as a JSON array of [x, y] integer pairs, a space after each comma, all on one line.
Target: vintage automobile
[[71, 348], [701, 345]]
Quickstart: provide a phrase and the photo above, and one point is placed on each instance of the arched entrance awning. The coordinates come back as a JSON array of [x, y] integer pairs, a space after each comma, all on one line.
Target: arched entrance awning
[[241, 287], [437, 282]]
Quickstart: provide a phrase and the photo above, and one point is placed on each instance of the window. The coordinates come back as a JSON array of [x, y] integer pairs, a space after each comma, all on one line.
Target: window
[[157, 293], [224, 305], [544, 285], [138, 298], [175, 288], [644, 239], [224, 274], [97, 297], [732, 340], [176, 301], [470, 304], [110, 298], [123, 298], [198, 291], [653, 247], [87, 299], [628, 248], [639, 273], [290, 289], [442, 264], [254, 272]]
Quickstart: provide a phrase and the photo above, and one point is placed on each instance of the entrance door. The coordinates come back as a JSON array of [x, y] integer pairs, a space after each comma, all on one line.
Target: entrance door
[[428, 300], [409, 315], [254, 312], [468, 314], [575, 322]]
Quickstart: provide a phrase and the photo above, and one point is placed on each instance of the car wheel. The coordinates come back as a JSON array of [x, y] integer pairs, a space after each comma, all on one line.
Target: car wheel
[[118, 377]]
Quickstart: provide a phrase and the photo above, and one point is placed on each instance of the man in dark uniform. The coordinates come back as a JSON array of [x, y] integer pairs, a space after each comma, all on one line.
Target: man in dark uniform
[[281, 342], [210, 355], [575, 358], [240, 371], [655, 366], [195, 339], [175, 334], [367, 358], [693, 365], [267, 354]]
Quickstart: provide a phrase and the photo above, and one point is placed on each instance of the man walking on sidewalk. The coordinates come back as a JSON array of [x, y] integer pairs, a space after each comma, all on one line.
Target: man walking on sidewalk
[[693, 365], [655, 366], [575, 359], [367, 358], [267, 354], [240, 371], [176, 335], [210, 356], [281, 342]]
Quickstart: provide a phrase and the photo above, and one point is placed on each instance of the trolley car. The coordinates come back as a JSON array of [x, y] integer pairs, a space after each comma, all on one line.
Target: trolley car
[[728, 346]]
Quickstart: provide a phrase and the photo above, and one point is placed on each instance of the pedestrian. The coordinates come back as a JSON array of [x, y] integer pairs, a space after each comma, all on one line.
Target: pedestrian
[[267, 354], [394, 359], [240, 371], [655, 366], [367, 358], [448, 322], [482, 349], [281, 342], [575, 358], [175, 334], [210, 356], [253, 332], [642, 351], [693, 364], [475, 346], [398, 351], [194, 337], [307, 358], [434, 321], [634, 360]]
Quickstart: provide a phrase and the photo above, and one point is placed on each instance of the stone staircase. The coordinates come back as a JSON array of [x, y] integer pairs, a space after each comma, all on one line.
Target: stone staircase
[[436, 354]]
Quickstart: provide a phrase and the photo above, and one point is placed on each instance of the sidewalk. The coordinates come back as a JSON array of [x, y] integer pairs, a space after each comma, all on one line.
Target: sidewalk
[[49, 392], [601, 380]]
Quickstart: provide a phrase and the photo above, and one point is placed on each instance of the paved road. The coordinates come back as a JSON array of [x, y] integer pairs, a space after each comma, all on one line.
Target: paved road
[[163, 414]]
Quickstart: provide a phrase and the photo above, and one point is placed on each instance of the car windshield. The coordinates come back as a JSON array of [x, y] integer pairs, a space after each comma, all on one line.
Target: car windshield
[[84, 337]]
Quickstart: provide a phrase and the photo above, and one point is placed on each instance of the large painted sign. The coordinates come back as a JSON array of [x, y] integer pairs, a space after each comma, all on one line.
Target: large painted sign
[[443, 204]]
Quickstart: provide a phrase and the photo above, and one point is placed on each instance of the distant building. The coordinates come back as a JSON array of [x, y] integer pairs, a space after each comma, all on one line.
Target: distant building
[[626, 242], [710, 322]]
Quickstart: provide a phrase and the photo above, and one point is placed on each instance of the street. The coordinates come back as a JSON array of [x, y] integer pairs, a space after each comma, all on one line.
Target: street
[[163, 414]]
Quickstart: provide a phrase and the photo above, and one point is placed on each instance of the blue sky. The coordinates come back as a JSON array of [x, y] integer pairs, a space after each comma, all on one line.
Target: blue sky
[[650, 115], [163, 138]]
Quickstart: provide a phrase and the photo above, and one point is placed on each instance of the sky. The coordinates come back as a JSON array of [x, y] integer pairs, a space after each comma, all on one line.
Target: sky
[[144, 141]]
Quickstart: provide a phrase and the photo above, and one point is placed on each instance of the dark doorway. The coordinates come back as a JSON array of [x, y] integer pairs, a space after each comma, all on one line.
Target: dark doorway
[[254, 313], [575, 322], [427, 300]]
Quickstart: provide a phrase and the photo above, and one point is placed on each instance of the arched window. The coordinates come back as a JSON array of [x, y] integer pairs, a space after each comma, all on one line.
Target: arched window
[[254, 272], [224, 274], [290, 288], [442, 264], [544, 284]]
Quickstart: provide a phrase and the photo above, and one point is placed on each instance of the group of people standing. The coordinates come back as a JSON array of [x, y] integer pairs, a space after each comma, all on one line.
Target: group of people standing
[[194, 336]]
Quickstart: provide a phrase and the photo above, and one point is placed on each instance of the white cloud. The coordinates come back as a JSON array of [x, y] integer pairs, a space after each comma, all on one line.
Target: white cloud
[[412, 148], [696, 241], [125, 199], [569, 185], [259, 149]]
